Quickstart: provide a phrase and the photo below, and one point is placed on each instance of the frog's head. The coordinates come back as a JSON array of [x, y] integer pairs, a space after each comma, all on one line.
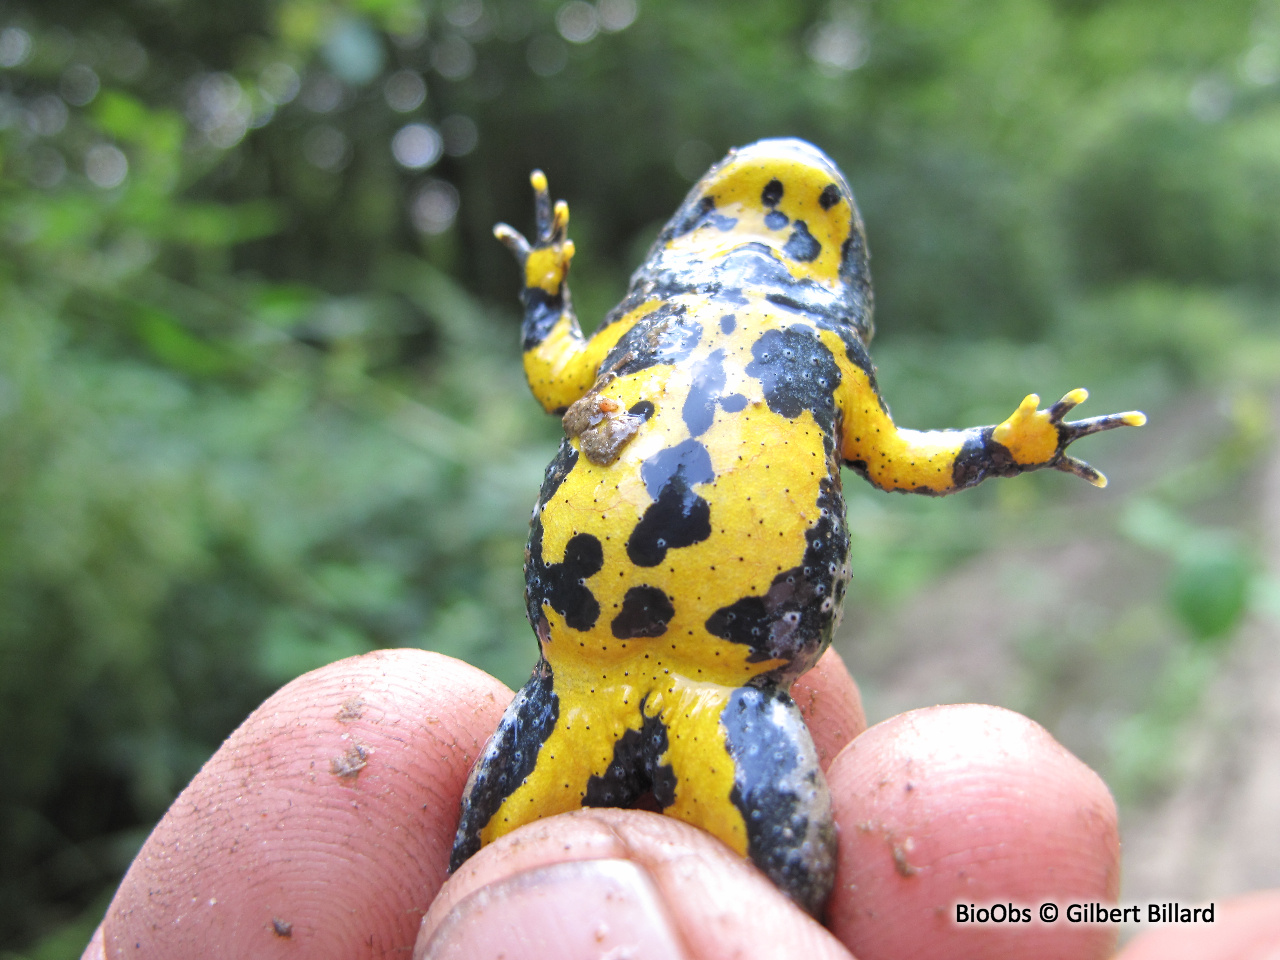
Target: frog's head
[[777, 203]]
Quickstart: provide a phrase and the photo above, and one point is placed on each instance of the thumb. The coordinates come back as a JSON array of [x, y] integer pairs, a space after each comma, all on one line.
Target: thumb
[[604, 882]]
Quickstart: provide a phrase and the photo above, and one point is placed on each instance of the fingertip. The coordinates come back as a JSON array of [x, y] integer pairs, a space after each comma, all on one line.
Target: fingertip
[[537, 915], [1245, 928], [831, 704], [1134, 418], [967, 804], [538, 179], [1076, 397], [705, 899], [328, 813], [94, 951]]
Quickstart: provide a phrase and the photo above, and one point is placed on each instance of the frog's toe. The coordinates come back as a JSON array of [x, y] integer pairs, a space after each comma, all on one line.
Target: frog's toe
[[1082, 428], [513, 240], [1067, 404], [552, 220], [1081, 470]]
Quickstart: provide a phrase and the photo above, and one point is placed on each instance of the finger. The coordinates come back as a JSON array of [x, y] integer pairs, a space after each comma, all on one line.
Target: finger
[[831, 705], [1246, 928], [1068, 403], [322, 825], [604, 882], [968, 804], [94, 950], [1080, 469]]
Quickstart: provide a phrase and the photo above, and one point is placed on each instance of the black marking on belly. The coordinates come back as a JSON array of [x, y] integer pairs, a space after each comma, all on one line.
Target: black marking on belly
[[981, 457], [645, 612], [559, 468], [802, 245], [634, 770], [793, 621], [829, 196], [856, 353], [688, 461], [797, 372], [546, 582], [776, 219], [667, 335], [728, 322], [641, 408], [541, 311], [855, 272], [708, 380], [704, 214], [771, 196], [779, 789], [756, 267], [509, 757], [562, 586], [733, 403], [678, 517]]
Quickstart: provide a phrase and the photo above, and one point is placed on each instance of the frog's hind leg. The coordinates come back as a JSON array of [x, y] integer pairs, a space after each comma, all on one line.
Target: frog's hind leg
[[508, 759], [554, 752], [747, 772], [782, 794]]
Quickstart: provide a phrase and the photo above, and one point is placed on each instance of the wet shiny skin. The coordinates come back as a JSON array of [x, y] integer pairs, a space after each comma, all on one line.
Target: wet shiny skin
[[688, 554]]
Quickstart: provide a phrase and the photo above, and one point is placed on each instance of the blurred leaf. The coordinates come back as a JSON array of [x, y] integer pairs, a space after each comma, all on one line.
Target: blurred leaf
[[125, 117], [1210, 587], [175, 347], [288, 649], [222, 225]]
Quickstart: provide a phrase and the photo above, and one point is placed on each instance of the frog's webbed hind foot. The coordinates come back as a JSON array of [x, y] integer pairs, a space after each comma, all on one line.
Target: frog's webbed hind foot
[[780, 790]]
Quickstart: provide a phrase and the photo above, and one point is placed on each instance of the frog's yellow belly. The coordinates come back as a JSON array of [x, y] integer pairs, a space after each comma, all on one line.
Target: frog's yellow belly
[[717, 557]]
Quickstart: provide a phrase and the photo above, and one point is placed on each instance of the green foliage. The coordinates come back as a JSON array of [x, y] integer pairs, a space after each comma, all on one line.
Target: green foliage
[[260, 399]]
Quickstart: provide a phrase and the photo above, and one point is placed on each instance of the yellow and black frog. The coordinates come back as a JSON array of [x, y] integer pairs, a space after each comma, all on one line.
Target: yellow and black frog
[[688, 554]]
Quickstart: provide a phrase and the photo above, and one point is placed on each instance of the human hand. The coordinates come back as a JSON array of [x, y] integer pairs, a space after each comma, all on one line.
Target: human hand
[[322, 827]]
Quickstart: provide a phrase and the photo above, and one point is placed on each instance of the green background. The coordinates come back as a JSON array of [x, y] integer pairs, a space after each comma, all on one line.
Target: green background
[[260, 397]]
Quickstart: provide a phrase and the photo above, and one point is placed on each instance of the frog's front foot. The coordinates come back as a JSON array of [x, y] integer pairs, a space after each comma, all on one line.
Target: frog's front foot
[[1039, 438], [546, 261]]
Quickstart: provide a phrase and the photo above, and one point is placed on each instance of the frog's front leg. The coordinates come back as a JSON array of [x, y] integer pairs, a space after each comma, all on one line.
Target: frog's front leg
[[944, 461], [558, 362]]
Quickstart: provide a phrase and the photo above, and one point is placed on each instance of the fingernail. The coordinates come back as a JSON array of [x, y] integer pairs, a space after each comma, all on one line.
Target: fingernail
[[584, 910]]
